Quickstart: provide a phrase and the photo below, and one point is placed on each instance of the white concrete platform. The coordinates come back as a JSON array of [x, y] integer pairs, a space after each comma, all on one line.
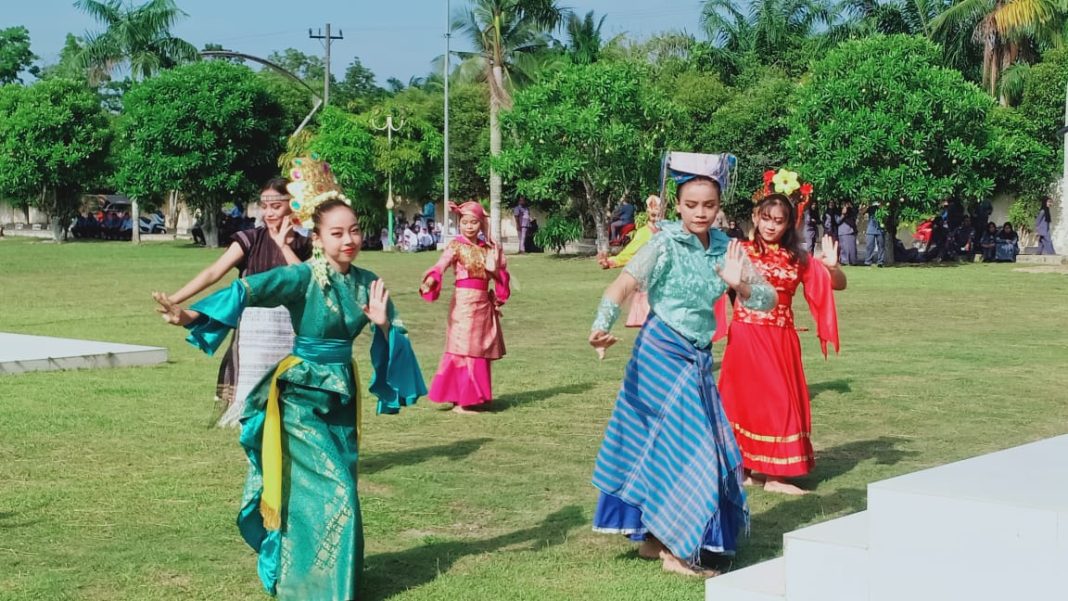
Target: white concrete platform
[[988, 528], [21, 353], [764, 581]]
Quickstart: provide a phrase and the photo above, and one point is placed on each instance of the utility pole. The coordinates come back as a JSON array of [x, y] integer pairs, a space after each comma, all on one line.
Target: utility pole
[[389, 129], [327, 38], [448, 61]]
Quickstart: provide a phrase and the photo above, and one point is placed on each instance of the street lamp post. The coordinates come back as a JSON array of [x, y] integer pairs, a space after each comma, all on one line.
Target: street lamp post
[[389, 129], [448, 61]]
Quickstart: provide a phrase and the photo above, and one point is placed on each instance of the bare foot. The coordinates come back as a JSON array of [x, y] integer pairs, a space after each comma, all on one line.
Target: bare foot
[[753, 479], [650, 549], [677, 566], [783, 487], [462, 409]]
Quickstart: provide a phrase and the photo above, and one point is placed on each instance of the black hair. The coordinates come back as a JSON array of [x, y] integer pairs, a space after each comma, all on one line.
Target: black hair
[[791, 240], [325, 207], [277, 185]]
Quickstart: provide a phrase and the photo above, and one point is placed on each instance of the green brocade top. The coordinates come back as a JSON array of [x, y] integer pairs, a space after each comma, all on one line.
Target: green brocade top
[[326, 321]]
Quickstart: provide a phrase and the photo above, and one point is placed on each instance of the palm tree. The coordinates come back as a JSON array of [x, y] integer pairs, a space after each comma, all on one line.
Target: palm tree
[[1008, 30], [584, 38], [138, 36], [507, 36], [767, 30]]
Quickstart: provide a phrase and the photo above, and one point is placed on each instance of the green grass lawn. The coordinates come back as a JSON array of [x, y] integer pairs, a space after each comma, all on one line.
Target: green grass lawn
[[113, 485]]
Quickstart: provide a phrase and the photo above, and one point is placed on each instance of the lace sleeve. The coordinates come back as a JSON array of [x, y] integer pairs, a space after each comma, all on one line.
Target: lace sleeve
[[645, 266], [762, 295]]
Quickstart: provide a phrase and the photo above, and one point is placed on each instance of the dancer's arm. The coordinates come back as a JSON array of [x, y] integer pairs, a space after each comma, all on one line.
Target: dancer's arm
[[285, 230], [430, 289], [739, 273], [639, 274], [211, 274]]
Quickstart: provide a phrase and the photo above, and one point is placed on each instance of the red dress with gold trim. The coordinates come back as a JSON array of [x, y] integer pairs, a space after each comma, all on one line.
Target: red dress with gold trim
[[762, 381]]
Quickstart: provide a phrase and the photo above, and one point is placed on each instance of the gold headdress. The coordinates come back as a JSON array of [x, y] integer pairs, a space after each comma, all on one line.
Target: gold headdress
[[311, 184]]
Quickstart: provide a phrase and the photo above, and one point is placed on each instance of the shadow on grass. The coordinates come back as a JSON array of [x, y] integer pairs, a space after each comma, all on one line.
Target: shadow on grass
[[533, 396], [7, 524], [841, 386], [767, 527], [389, 574], [841, 459], [460, 449]]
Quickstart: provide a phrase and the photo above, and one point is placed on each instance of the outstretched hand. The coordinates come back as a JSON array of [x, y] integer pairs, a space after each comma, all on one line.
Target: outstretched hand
[[829, 252], [603, 260], [600, 341], [171, 312], [377, 307], [731, 271]]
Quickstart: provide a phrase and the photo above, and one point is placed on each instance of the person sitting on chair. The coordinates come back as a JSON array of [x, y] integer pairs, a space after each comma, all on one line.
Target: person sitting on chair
[[622, 216]]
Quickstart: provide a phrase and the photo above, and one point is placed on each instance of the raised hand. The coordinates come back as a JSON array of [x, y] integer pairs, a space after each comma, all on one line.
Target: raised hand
[[284, 233], [600, 341], [731, 271], [829, 252], [377, 305], [171, 312]]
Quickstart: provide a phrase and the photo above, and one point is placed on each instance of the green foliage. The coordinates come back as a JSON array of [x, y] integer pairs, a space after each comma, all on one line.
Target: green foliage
[[209, 129], [1043, 98], [557, 232], [345, 141], [880, 120], [358, 90], [593, 134], [415, 157], [53, 135], [69, 65], [1023, 165], [1023, 212], [15, 54], [135, 35], [752, 126], [468, 142]]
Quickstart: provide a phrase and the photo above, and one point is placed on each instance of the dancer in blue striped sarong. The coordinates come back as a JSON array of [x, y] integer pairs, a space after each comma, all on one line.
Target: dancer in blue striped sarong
[[669, 469]]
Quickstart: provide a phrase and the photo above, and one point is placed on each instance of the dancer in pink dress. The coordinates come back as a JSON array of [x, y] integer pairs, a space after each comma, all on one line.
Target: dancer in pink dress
[[473, 335]]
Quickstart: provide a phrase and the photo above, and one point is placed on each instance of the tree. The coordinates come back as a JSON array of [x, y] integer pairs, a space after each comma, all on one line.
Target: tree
[[358, 90], [15, 54], [584, 37], [768, 32], [305, 66], [210, 129], [69, 64], [751, 124], [468, 142], [1042, 104], [506, 34], [590, 136], [345, 141], [54, 140], [136, 36], [880, 120], [1006, 29]]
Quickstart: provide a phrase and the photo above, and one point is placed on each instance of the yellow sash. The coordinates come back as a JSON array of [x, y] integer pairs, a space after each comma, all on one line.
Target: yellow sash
[[271, 500]]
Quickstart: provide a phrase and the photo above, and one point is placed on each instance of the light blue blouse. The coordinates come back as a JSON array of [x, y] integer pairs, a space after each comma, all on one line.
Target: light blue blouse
[[682, 279]]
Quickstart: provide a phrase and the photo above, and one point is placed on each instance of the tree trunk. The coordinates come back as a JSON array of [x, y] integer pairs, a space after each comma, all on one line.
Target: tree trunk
[[135, 217], [170, 219], [57, 218], [210, 226], [495, 151], [890, 235], [600, 221]]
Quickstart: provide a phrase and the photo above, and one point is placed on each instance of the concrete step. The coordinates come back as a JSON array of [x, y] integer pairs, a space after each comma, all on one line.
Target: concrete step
[[764, 581], [988, 528], [828, 561]]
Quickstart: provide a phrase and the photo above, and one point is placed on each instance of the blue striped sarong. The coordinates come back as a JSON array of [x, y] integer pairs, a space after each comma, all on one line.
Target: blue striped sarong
[[669, 464]]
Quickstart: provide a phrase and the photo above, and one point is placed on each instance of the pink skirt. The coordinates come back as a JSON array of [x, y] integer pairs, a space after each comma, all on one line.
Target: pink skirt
[[462, 380], [639, 309]]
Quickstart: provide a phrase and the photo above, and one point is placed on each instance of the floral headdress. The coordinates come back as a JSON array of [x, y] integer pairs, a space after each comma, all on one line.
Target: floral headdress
[[311, 184], [788, 184]]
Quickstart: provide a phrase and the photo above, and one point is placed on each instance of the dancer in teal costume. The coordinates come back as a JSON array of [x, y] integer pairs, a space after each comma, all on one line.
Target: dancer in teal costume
[[310, 540]]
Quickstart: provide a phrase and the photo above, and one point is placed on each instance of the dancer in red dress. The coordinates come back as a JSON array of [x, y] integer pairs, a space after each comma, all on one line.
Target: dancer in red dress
[[762, 380]]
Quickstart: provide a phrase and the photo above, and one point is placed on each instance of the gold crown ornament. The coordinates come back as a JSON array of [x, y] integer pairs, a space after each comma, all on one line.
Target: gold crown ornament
[[311, 184]]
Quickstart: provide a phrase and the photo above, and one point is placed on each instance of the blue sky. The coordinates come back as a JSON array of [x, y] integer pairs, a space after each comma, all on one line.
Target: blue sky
[[395, 38]]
